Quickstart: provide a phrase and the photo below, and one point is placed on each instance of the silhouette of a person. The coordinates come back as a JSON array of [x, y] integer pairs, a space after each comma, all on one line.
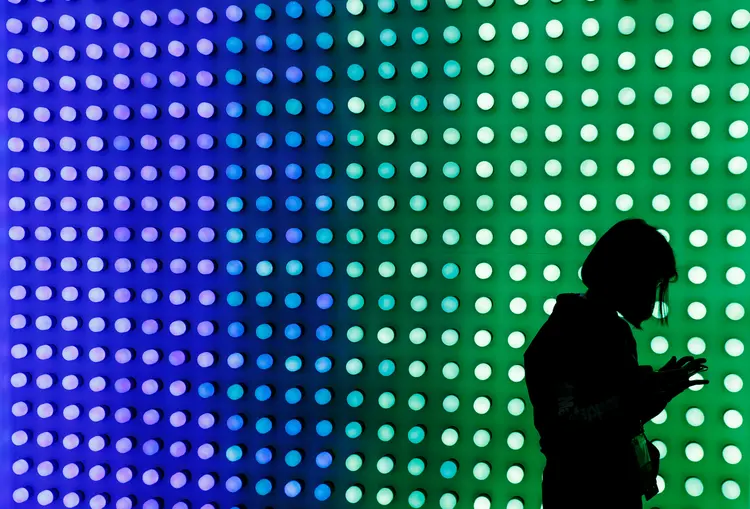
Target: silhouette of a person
[[590, 396]]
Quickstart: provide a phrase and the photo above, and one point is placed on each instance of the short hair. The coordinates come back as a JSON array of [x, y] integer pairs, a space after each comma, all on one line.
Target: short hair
[[632, 249]]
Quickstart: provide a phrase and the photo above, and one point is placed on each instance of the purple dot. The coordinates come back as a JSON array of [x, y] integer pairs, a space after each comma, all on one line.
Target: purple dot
[[205, 328], [206, 172], [122, 173], [325, 301], [122, 234], [206, 234], [123, 385], [177, 358], [205, 267], [177, 234], [206, 203], [204, 78], [150, 327], [149, 80], [177, 79], [205, 141], [151, 417], [149, 265], [178, 266]]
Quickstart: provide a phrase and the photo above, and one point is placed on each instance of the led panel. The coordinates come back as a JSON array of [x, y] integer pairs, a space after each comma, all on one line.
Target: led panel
[[289, 254]]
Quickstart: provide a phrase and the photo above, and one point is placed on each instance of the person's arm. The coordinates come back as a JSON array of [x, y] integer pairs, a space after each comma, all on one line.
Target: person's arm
[[652, 403]]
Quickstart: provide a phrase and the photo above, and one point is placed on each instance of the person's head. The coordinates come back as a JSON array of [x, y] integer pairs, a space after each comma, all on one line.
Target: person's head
[[628, 265]]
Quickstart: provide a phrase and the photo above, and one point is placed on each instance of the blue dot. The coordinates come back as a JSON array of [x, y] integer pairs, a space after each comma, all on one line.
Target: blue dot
[[150, 447], [324, 138], [235, 267], [294, 235], [324, 301], [293, 204], [324, 235], [323, 396], [324, 74], [324, 459], [234, 140], [324, 8], [264, 75], [264, 455], [294, 42], [293, 139], [234, 172], [263, 235], [292, 331], [293, 396], [324, 428], [264, 203], [322, 492], [235, 45], [264, 140], [293, 301], [294, 74], [236, 329], [121, 143], [206, 390], [293, 427], [235, 109], [264, 43], [324, 106], [233, 77], [294, 106], [264, 425], [235, 422], [264, 299], [355, 72], [323, 365], [294, 10], [263, 12], [325, 269], [323, 171], [293, 171], [324, 332], [264, 108], [324, 40], [263, 331]]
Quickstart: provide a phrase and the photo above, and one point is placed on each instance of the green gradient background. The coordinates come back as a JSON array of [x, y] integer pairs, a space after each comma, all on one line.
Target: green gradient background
[[679, 221]]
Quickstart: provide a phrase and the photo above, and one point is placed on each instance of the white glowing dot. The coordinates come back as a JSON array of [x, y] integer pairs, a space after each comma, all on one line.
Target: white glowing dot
[[176, 17], [177, 79], [148, 49], [149, 18], [234, 13], [16, 85], [14, 26], [121, 19], [67, 22], [205, 46], [206, 482], [124, 475], [68, 83], [15, 56], [205, 15], [176, 48], [45, 497], [121, 50], [67, 53], [94, 21], [206, 110]]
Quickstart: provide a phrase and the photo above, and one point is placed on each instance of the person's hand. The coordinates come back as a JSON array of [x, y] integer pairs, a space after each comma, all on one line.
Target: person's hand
[[674, 377]]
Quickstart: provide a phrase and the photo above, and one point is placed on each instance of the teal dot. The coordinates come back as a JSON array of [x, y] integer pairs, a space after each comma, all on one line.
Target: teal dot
[[420, 36], [294, 42], [452, 35], [235, 299], [386, 236], [453, 4], [452, 68], [324, 74], [235, 392], [418, 103], [324, 40], [234, 453], [386, 6], [419, 5], [235, 45], [263, 12], [386, 170], [235, 204], [449, 304], [452, 102], [450, 270], [419, 69], [353, 430], [324, 8], [451, 169], [386, 70], [355, 72], [234, 172], [263, 487], [233, 77], [388, 37], [386, 302], [235, 267], [234, 140], [234, 235], [264, 299], [263, 331], [324, 236], [293, 300], [294, 107], [235, 109], [264, 108], [323, 171], [387, 104], [293, 139], [355, 138]]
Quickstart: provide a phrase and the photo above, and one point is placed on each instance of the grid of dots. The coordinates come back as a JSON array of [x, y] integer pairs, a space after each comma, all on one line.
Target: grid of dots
[[173, 328]]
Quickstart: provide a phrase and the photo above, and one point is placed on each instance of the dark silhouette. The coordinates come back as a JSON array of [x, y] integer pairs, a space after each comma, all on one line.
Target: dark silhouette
[[591, 398]]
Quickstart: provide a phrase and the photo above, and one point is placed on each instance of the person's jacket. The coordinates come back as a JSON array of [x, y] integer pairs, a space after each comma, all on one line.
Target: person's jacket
[[584, 383]]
